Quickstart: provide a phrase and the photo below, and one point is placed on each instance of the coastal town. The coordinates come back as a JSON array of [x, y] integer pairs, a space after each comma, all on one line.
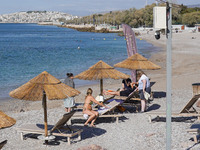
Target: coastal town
[[48, 17]]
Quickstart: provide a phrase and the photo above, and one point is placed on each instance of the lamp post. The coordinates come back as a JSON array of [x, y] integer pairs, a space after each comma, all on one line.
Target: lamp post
[[169, 72]]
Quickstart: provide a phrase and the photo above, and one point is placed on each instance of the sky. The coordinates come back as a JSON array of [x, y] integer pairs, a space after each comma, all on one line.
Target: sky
[[78, 7]]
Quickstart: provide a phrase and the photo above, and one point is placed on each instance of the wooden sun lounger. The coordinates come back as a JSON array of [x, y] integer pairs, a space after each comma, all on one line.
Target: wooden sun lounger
[[130, 100], [196, 133], [3, 143], [108, 113], [116, 116], [187, 111], [59, 129], [107, 97], [39, 129]]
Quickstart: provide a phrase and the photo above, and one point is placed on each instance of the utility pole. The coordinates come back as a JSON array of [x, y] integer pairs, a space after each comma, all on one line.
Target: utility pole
[[169, 72]]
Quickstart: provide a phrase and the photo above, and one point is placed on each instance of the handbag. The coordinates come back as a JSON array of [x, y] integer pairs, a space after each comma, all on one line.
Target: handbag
[[146, 95]]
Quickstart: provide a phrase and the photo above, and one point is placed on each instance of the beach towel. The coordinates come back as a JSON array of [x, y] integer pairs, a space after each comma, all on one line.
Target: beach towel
[[117, 100], [102, 110]]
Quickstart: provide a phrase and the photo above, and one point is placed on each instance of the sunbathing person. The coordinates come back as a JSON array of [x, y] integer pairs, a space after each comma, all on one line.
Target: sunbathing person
[[126, 84], [87, 108], [125, 92]]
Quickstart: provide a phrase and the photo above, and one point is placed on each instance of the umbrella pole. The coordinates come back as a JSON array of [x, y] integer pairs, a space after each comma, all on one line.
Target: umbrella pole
[[45, 113], [101, 86], [136, 76]]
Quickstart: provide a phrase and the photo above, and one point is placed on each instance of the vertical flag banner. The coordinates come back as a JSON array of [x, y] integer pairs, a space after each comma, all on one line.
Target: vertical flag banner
[[131, 45]]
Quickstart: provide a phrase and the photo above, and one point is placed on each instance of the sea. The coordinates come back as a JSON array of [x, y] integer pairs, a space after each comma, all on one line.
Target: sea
[[26, 50]]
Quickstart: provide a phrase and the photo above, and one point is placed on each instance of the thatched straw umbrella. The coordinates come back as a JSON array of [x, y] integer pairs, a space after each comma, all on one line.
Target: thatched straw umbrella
[[137, 62], [42, 87], [5, 120], [100, 71]]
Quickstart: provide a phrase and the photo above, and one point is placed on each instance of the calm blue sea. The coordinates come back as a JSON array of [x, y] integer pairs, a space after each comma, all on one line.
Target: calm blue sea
[[26, 50]]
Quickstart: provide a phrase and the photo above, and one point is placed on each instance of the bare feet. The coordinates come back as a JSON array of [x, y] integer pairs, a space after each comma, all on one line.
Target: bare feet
[[105, 92], [92, 125]]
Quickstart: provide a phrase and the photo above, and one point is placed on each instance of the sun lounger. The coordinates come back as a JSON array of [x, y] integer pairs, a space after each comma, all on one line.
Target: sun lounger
[[104, 113], [195, 130], [187, 111], [196, 133], [106, 98], [59, 129], [3, 143], [131, 100]]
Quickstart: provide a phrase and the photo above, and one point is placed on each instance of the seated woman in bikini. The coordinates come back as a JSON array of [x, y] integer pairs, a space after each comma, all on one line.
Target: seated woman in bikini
[[87, 108]]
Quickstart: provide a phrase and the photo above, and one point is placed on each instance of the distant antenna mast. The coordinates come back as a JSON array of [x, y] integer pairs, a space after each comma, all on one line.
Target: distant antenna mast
[[173, 2], [156, 2]]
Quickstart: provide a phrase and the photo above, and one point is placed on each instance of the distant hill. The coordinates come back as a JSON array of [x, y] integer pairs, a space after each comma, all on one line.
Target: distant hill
[[193, 6], [35, 17]]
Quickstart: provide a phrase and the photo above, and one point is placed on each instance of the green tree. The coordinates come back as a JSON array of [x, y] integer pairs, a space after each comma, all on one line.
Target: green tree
[[148, 15], [141, 17], [191, 19], [62, 20], [176, 15]]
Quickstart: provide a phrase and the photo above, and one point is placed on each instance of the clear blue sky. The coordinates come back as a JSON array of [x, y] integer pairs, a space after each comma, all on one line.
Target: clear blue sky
[[77, 7]]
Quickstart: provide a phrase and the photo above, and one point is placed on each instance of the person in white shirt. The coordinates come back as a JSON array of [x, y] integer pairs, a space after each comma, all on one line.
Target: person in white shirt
[[143, 85]]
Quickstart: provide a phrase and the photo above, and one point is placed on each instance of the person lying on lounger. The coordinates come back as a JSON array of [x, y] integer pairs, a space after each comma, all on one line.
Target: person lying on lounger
[[87, 108], [125, 92], [126, 84]]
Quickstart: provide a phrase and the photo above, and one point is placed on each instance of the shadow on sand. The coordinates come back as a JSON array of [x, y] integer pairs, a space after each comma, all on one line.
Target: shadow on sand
[[159, 94], [153, 107], [88, 132], [175, 119]]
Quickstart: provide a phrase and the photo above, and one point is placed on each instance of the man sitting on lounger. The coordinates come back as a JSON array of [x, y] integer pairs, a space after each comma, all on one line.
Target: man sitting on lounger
[[87, 108]]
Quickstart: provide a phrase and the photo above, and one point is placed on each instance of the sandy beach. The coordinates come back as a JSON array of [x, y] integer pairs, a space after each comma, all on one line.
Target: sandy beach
[[134, 130]]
